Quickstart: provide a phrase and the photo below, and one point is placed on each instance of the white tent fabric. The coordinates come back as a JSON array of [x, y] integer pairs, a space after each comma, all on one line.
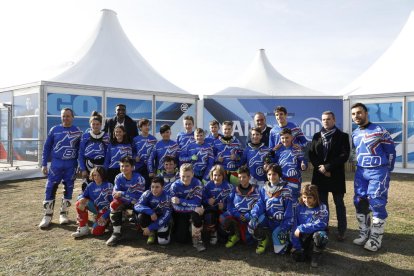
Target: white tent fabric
[[111, 60], [393, 71], [262, 79]]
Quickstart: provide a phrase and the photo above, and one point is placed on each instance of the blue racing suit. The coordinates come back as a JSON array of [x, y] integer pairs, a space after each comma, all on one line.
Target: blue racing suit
[[62, 143], [375, 157]]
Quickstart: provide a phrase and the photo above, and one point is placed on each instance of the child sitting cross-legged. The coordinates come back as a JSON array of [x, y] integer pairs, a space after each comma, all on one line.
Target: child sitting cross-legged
[[311, 220]]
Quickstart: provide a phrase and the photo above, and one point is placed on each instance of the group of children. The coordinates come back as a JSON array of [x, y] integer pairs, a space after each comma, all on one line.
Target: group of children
[[222, 191]]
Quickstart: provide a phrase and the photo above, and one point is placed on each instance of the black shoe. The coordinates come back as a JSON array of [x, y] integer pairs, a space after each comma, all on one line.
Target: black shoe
[[298, 255], [114, 239], [316, 259], [340, 237]]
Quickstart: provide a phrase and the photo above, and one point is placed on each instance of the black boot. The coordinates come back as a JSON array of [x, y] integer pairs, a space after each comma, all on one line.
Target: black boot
[[316, 259]]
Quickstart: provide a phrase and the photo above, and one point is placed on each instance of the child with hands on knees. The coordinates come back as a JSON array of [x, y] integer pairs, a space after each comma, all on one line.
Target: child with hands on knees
[[128, 188], [153, 212], [96, 199], [274, 212], [186, 195], [215, 200], [310, 223], [235, 220]]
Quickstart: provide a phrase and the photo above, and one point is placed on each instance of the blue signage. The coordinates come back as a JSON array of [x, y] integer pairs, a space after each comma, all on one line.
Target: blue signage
[[81, 105]]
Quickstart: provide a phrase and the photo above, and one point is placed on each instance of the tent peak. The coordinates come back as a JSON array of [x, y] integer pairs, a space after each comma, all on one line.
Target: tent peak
[[110, 59], [108, 11], [261, 78]]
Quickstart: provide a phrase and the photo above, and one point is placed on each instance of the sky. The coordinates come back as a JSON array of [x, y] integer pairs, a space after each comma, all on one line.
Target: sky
[[205, 46]]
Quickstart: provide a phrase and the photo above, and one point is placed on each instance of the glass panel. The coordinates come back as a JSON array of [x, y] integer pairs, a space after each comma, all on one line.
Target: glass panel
[[26, 105], [410, 133], [26, 127], [82, 123], [136, 109], [385, 112], [172, 114], [26, 150], [81, 105]]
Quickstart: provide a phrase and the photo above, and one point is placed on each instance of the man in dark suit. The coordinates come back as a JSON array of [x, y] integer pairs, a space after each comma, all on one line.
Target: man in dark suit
[[328, 153], [121, 119]]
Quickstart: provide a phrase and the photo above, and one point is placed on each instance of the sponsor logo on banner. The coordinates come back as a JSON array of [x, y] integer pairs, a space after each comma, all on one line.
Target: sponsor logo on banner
[[310, 126], [184, 107]]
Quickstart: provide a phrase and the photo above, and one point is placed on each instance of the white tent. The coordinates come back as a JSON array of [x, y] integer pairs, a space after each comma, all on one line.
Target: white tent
[[387, 88], [110, 60], [262, 79], [393, 71], [109, 71]]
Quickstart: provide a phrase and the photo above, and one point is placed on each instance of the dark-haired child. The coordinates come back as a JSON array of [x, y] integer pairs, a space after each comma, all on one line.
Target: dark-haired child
[[128, 188], [257, 156], [142, 148], [153, 212], [311, 219], [200, 155], [291, 160], [170, 173], [96, 199], [164, 147], [227, 152], [119, 147], [186, 137], [214, 132], [274, 212], [93, 146], [240, 202]]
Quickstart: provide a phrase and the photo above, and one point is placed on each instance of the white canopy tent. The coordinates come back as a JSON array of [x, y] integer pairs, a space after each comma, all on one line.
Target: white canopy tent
[[393, 71], [109, 71], [111, 60], [262, 79], [387, 89]]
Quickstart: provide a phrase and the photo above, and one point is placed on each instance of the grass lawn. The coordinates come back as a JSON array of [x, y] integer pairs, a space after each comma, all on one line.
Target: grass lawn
[[27, 250]]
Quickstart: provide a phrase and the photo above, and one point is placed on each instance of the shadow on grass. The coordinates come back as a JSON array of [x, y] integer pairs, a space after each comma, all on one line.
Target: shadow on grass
[[392, 243], [339, 258]]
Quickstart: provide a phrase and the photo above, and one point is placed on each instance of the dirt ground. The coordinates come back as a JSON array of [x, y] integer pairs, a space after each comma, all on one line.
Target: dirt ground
[[27, 250]]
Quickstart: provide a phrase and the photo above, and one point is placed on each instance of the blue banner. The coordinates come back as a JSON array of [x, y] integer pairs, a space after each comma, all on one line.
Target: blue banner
[[135, 109], [81, 105], [304, 112]]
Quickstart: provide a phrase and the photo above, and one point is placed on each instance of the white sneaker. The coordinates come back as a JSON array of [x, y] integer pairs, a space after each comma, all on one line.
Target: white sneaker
[[81, 231], [45, 221], [199, 246], [63, 218], [213, 238]]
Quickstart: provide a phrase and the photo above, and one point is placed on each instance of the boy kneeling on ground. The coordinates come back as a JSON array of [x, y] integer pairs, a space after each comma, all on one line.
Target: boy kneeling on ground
[[153, 212]]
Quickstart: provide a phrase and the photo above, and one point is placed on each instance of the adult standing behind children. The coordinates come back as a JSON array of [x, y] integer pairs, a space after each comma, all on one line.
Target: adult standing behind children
[[260, 122], [328, 153], [121, 119], [62, 144], [299, 140], [375, 154]]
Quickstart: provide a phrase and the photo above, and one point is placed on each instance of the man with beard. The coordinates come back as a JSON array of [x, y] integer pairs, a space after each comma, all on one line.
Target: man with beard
[[375, 157], [121, 119]]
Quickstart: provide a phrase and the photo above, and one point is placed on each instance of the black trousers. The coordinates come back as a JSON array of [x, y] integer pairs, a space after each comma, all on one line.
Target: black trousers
[[340, 208]]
